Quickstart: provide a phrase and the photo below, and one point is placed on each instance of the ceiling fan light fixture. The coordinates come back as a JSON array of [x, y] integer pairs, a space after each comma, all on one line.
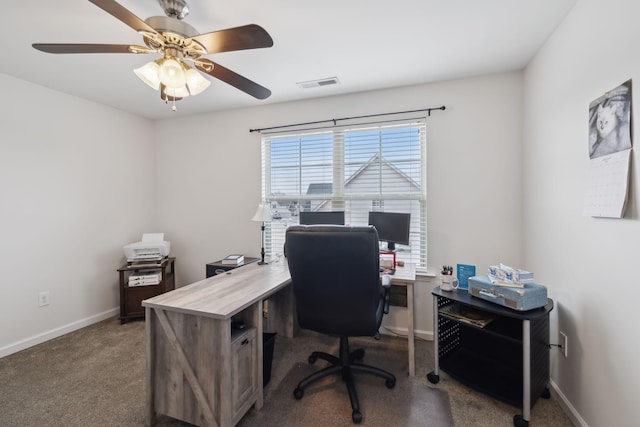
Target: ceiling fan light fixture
[[171, 73], [177, 93], [195, 82], [148, 73], [176, 42]]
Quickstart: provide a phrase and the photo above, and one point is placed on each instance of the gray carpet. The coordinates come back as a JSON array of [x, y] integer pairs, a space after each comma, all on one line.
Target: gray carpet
[[95, 377], [408, 403]]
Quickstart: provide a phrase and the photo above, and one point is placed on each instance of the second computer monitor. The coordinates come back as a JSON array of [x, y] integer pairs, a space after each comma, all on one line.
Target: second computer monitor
[[392, 227], [319, 217]]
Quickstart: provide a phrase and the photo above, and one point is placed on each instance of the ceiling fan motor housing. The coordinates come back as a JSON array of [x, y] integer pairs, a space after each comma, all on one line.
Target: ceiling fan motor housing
[[167, 24], [175, 8], [173, 33]]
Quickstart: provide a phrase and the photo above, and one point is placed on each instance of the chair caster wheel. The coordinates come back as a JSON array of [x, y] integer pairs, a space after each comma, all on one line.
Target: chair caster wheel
[[433, 378], [519, 421], [390, 383], [312, 359], [298, 393], [546, 394], [358, 354], [356, 417]]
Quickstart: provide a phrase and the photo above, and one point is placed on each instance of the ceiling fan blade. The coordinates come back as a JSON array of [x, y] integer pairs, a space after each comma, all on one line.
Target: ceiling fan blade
[[239, 38], [90, 48], [124, 15], [232, 78]]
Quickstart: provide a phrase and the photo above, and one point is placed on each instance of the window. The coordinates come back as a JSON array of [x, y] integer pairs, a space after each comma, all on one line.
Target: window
[[354, 169]]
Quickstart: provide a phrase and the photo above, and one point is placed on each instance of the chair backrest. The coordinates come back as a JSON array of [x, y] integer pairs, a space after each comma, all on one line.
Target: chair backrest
[[336, 279]]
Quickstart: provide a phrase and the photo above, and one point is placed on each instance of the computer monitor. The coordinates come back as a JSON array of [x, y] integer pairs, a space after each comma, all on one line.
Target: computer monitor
[[320, 217], [393, 227]]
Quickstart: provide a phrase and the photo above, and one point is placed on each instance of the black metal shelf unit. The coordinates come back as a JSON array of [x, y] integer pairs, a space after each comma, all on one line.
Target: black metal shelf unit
[[507, 359]]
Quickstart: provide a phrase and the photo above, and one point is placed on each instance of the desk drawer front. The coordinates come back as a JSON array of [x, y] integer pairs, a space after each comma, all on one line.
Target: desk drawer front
[[244, 375]]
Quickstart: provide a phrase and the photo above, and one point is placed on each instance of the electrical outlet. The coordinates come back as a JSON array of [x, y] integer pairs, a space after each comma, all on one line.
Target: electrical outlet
[[43, 298], [564, 343]]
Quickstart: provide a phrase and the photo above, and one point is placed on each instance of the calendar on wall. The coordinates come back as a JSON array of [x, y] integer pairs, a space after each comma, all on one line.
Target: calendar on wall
[[609, 149]]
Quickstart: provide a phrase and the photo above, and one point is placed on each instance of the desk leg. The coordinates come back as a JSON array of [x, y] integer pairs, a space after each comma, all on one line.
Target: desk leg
[[258, 321], [526, 370], [410, 334], [151, 361], [436, 338], [281, 313]]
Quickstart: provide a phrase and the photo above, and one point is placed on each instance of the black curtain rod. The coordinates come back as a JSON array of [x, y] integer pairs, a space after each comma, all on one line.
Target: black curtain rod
[[428, 110]]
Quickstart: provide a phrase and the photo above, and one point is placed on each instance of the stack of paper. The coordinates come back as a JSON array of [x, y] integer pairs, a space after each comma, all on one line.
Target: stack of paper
[[144, 279], [503, 275], [467, 315]]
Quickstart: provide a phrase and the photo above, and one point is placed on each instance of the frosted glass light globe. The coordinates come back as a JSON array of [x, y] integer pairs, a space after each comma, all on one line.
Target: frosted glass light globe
[[172, 74]]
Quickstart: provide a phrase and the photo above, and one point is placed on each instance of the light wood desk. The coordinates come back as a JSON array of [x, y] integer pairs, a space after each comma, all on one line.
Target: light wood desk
[[193, 371], [194, 365], [406, 276]]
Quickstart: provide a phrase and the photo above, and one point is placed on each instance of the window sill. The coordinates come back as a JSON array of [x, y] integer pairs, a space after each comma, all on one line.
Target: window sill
[[425, 273]]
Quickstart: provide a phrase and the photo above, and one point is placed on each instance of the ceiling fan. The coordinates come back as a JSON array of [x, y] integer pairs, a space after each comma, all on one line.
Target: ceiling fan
[[177, 42]]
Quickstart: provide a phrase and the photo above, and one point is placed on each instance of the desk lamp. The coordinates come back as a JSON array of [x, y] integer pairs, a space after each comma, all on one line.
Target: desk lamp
[[263, 214]]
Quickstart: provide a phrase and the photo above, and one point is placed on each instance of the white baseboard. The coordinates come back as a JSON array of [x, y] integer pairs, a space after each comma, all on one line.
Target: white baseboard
[[566, 406], [394, 331], [54, 333]]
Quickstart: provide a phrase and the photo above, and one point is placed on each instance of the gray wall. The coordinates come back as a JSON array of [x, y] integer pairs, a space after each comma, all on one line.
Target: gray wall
[[77, 182], [587, 263]]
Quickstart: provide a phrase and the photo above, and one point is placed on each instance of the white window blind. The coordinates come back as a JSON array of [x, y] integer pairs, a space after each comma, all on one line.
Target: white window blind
[[355, 169]]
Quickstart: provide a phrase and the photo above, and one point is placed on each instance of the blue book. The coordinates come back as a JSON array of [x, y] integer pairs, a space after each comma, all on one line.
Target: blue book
[[464, 271]]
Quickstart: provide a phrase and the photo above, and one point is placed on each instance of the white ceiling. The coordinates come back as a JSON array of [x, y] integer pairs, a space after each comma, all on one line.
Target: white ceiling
[[366, 44]]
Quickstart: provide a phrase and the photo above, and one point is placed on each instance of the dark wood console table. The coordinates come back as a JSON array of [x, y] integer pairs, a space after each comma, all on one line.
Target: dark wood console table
[[131, 296], [508, 358]]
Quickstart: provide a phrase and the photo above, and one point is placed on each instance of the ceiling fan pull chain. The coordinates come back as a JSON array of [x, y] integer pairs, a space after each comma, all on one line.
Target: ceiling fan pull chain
[[173, 107]]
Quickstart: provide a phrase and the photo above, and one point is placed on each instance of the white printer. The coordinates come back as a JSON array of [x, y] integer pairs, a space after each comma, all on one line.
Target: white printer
[[151, 248]]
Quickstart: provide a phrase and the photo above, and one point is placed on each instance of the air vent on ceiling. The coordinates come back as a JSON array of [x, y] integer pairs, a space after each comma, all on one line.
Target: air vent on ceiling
[[317, 83]]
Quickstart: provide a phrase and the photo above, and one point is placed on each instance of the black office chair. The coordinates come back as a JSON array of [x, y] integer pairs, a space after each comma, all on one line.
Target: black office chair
[[337, 286]]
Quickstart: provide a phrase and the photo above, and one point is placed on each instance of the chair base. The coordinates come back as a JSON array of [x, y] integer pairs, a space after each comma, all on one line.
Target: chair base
[[346, 365]]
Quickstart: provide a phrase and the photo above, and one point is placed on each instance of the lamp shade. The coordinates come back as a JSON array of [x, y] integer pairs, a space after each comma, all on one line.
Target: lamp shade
[[195, 82], [148, 73], [263, 213], [180, 92], [171, 73]]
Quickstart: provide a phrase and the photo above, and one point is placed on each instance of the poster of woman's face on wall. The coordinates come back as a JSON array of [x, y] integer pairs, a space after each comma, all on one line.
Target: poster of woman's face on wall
[[609, 122]]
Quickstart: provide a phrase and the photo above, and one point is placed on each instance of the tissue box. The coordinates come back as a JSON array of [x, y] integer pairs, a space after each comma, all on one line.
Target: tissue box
[[530, 296], [510, 275]]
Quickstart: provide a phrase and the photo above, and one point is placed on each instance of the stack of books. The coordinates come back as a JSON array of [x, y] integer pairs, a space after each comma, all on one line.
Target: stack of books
[[144, 279], [233, 260]]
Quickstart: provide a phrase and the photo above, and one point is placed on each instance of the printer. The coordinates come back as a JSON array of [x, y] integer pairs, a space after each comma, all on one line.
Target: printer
[[152, 248]]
